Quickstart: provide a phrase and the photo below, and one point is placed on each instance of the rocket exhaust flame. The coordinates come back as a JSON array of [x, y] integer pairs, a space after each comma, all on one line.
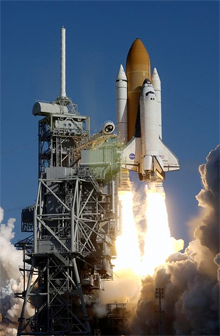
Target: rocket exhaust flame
[[127, 243], [127, 270], [131, 264], [158, 241]]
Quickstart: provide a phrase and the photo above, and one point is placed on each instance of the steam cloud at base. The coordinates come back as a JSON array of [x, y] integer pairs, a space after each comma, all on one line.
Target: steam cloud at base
[[11, 280], [191, 304]]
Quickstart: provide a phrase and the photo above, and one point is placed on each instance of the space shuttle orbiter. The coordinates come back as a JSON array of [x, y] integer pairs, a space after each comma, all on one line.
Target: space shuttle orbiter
[[139, 122]]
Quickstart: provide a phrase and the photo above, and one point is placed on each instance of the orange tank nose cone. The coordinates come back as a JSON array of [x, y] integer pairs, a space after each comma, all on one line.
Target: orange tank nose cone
[[137, 70]]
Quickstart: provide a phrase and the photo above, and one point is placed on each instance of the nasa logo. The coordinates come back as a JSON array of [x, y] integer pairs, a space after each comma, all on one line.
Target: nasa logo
[[132, 156]]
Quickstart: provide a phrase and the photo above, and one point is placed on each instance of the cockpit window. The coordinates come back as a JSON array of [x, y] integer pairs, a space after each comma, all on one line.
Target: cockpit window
[[146, 94], [147, 81]]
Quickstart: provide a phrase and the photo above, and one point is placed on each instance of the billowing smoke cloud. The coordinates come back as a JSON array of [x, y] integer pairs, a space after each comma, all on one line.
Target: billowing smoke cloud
[[191, 287], [11, 281]]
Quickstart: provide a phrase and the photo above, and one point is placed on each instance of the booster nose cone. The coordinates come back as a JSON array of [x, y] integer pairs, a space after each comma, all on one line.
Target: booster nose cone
[[156, 80], [121, 74], [137, 69]]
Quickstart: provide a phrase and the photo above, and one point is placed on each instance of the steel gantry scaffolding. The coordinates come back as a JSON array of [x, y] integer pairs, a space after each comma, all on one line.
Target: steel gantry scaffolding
[[73, 225]]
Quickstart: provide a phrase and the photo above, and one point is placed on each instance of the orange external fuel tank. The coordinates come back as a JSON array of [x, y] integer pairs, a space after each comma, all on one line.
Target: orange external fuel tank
[[137, 70]]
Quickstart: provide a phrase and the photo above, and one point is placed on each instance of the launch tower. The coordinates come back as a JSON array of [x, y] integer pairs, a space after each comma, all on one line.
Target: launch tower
[[73, 226]]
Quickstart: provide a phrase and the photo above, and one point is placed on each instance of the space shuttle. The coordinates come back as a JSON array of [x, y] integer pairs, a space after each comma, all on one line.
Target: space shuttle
[[139, 118]]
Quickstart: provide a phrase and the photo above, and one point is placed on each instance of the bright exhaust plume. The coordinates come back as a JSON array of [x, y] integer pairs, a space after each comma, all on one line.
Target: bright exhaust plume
[[128, 252], [158, 243]]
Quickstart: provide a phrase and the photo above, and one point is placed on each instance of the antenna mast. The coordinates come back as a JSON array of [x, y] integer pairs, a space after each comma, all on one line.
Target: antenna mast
[[63, 64], [63, 100]]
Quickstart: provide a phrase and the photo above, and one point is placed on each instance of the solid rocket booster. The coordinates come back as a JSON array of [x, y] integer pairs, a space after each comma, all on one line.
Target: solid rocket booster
[[145, 152], [121, 104], [157, 87]]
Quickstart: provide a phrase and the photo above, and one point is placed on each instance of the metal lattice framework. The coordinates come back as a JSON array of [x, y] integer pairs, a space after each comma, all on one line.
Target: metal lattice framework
[[55, 293], [74, 234], [73, 225]]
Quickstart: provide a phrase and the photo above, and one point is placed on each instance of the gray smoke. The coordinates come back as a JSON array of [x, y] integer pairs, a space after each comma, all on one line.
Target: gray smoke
[[189, 279]]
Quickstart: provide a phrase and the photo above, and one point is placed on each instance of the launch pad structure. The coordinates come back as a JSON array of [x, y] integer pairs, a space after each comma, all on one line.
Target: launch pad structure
[[76, 218], [73, 222]]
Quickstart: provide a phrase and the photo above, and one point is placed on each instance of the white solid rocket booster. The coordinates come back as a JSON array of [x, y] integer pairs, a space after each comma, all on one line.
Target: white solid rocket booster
[[157, 87], [121, 104]]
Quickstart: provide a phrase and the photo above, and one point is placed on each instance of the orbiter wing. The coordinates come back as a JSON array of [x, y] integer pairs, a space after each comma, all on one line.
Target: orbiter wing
[[170, 161]]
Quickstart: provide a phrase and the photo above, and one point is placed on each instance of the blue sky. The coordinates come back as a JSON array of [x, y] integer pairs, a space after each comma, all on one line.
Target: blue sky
[[182, 39]]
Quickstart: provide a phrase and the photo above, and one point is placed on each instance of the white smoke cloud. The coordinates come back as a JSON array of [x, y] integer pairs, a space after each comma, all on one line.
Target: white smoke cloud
[[11, 281], [125, 288], [10, 258], [100, 310], [191, 304]]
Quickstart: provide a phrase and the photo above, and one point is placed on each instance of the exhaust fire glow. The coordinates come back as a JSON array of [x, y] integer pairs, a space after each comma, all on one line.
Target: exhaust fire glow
[[158, 243]]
